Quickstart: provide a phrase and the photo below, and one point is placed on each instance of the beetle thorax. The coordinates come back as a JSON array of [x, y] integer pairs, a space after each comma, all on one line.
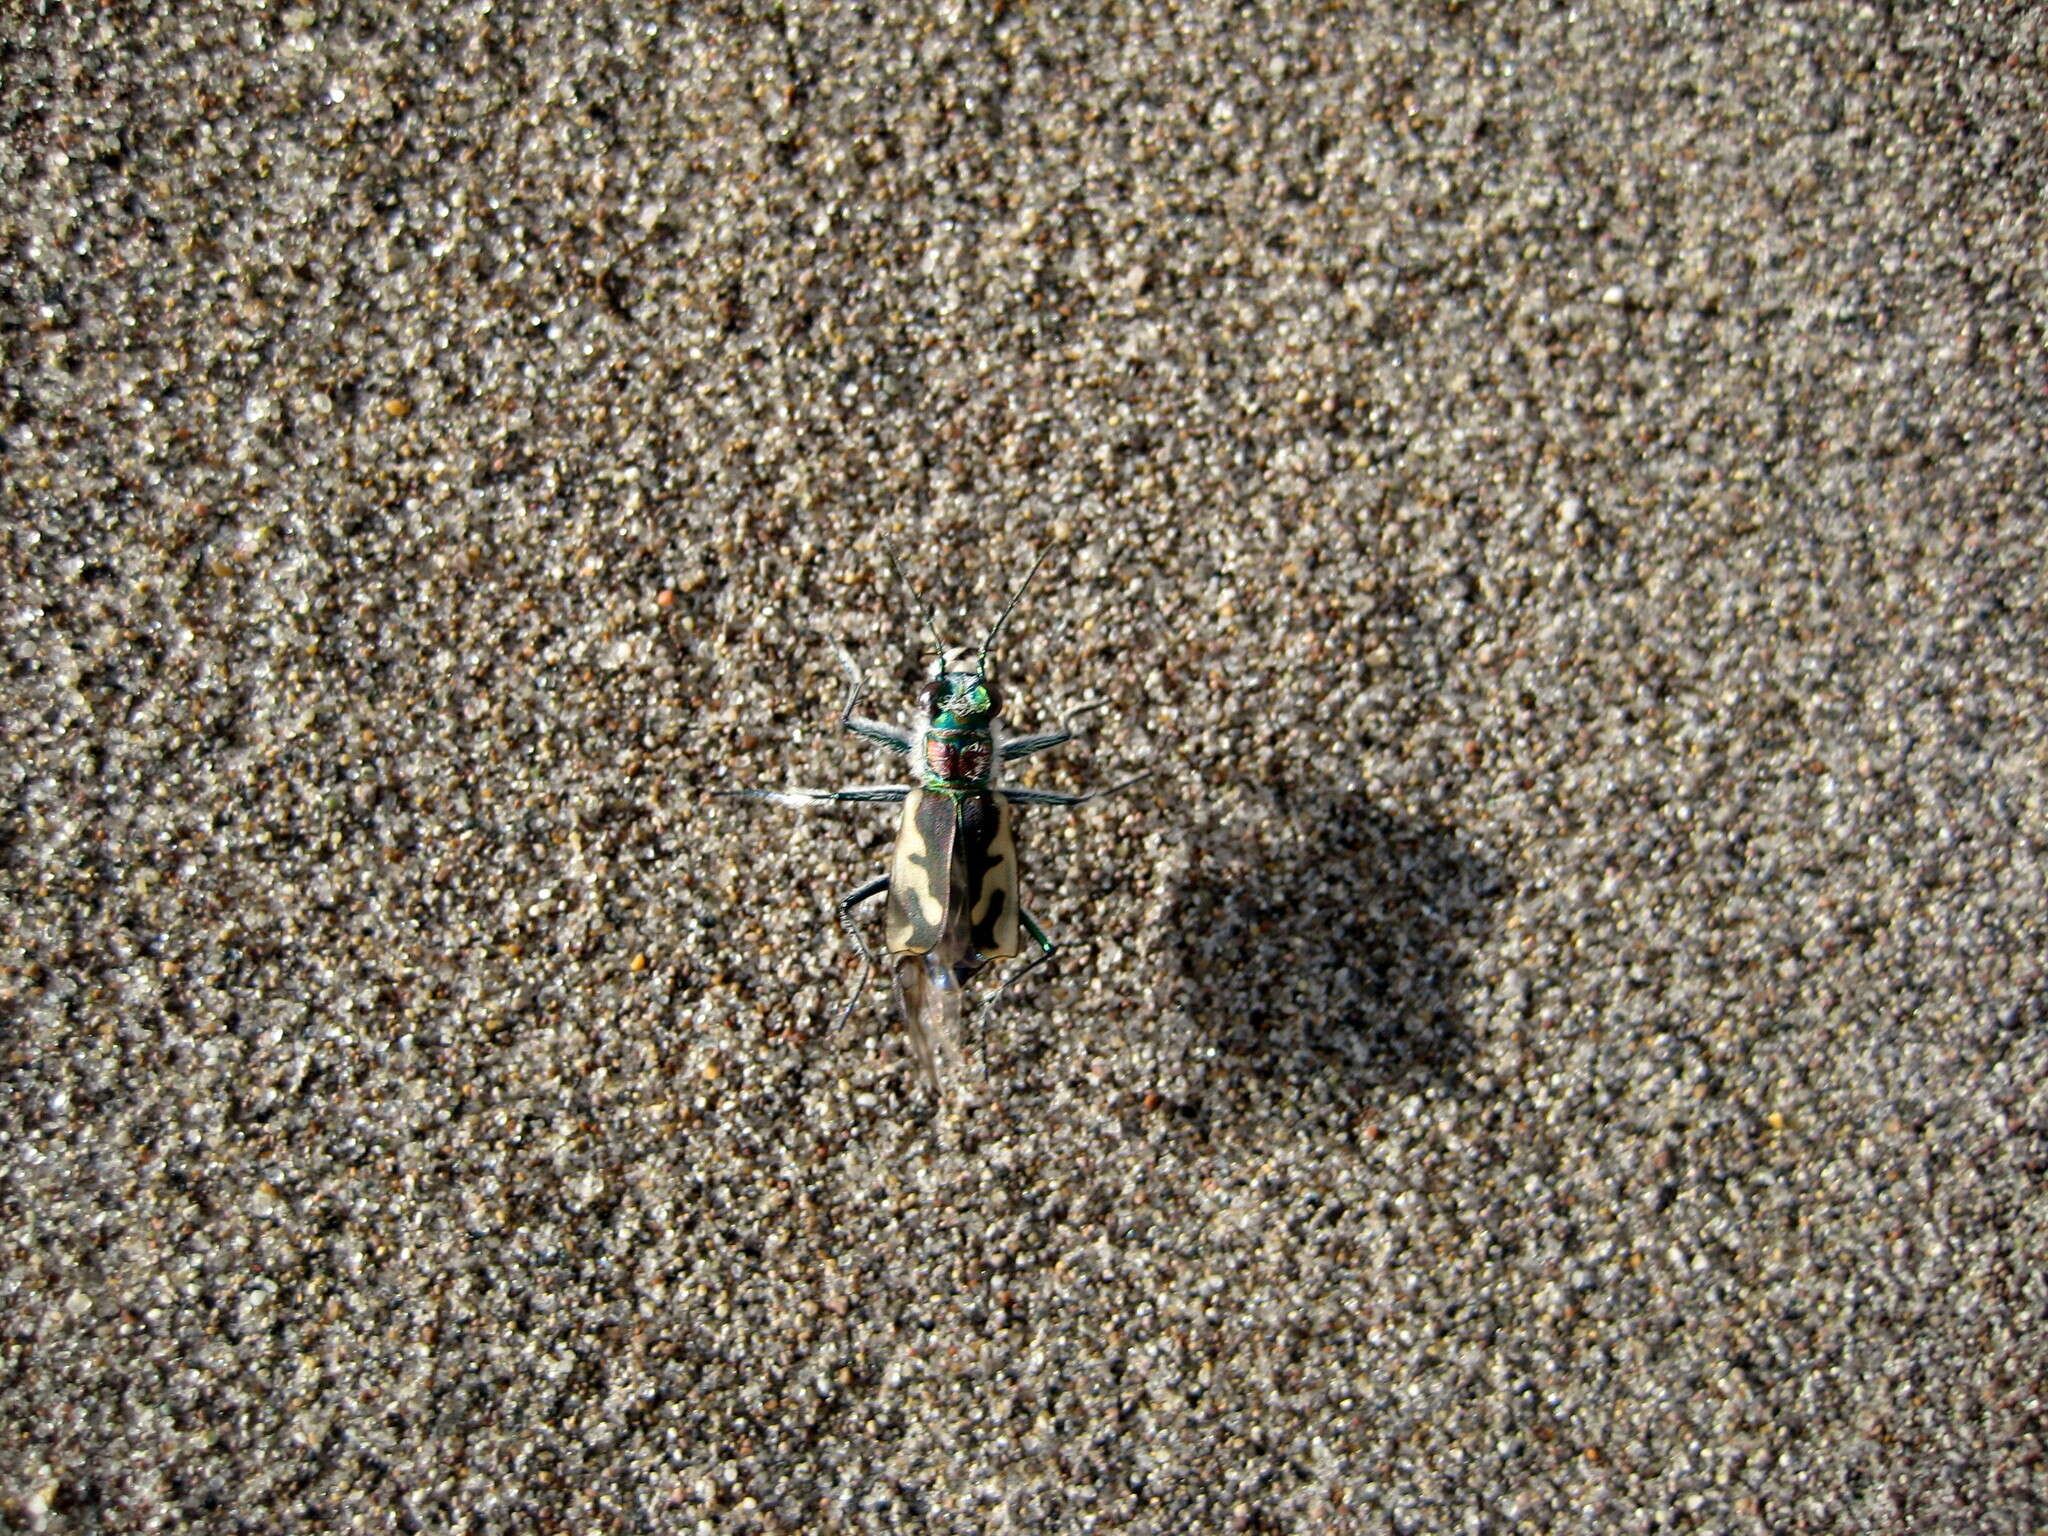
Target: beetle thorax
[[958, 760], [959, 711]]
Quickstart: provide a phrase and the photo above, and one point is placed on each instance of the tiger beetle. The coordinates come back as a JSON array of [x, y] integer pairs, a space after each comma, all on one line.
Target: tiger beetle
[[952, 882]]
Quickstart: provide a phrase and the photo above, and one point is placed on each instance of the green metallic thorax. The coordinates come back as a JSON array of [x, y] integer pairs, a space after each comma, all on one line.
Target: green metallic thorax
[[959, 749]]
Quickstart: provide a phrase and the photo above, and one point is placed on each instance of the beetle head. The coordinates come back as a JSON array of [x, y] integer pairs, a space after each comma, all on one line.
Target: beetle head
[[957, 699]]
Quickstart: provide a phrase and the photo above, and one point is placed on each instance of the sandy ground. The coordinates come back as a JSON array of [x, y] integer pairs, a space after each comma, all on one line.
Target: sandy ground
[[1559, 1046]]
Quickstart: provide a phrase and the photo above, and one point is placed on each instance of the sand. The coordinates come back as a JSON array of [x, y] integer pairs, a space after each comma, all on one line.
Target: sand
[[1557, 1046]]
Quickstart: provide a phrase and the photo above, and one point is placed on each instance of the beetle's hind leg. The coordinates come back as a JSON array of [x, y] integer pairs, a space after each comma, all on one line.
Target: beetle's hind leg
[[847, 903], [1046, 950]]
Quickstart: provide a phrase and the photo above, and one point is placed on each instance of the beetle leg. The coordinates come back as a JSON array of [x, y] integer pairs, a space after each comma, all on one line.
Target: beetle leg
[[1053, 797], [1024, 746], [894, 737], [1046, 950], [871, 794], [847, 903]]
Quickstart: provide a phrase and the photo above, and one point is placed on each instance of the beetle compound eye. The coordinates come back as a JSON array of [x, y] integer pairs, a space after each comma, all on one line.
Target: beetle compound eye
[[990, 701], [928, 697]]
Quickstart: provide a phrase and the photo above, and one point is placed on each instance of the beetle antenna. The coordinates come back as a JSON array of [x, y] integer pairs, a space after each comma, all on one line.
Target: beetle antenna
[[931, 621], [981, 662]]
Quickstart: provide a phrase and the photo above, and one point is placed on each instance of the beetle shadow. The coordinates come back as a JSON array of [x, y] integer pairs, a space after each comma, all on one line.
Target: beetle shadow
[[1315, 934]]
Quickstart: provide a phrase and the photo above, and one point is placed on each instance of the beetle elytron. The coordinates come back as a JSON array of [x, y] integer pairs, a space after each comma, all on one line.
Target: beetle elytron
[[952, 882]]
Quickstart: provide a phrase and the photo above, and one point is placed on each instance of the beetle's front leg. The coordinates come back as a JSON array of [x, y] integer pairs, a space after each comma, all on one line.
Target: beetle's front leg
[[894, 737], [1024, 746]]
